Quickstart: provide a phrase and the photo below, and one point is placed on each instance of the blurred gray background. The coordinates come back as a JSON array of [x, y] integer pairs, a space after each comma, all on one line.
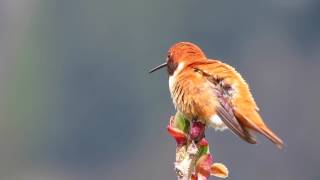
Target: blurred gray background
[[77, 103]]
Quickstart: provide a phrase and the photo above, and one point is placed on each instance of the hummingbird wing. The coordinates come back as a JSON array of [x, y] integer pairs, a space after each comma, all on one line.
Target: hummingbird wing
[[237, 107], [225, 112]]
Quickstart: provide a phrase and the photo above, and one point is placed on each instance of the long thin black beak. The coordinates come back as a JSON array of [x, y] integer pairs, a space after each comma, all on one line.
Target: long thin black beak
[[158, 67]]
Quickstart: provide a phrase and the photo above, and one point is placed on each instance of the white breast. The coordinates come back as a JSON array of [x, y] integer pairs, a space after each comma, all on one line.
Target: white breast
[[172, 79]]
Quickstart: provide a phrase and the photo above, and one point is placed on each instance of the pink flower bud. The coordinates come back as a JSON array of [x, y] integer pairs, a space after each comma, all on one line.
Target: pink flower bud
[[197, 131], [203, 166]]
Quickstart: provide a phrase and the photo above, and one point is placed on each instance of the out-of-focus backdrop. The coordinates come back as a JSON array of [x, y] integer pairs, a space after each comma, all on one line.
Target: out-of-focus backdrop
[[77, 103]]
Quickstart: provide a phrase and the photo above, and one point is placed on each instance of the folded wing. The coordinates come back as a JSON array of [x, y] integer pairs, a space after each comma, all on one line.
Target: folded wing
[[236, 108]]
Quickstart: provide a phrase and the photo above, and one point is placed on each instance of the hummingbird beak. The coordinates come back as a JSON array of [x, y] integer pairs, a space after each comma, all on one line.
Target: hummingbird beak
[[158, 67]]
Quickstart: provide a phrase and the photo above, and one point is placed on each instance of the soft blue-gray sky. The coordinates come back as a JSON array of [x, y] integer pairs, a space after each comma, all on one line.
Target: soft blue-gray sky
[[77, 101]]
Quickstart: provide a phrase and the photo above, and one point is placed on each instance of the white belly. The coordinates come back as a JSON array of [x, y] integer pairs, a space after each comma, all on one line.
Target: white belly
[[172, 80], [216, 122]]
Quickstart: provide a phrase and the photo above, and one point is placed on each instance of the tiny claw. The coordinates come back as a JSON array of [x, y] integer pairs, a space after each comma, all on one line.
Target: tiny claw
[[171, 121]]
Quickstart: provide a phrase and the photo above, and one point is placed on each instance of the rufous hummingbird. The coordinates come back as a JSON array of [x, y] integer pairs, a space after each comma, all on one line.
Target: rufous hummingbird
[[213, 93]]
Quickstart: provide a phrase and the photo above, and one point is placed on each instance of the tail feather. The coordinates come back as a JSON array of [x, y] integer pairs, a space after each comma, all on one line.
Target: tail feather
[[255, 123], [271, 136]]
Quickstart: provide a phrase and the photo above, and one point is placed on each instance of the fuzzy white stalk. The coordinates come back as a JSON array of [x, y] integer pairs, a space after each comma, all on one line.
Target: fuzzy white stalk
[[186, 160]]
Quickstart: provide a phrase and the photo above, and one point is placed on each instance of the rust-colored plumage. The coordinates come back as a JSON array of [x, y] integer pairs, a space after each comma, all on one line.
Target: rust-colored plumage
[[213, 92]]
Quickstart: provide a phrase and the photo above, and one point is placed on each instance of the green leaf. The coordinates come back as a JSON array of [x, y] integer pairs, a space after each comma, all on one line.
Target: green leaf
[[203, 150], [181, 123]]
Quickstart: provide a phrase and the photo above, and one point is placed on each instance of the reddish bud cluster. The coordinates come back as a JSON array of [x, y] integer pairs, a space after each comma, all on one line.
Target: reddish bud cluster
[[203, 164]]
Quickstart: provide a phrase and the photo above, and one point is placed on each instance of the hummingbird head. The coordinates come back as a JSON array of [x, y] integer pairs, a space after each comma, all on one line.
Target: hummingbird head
[[181, 52]]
